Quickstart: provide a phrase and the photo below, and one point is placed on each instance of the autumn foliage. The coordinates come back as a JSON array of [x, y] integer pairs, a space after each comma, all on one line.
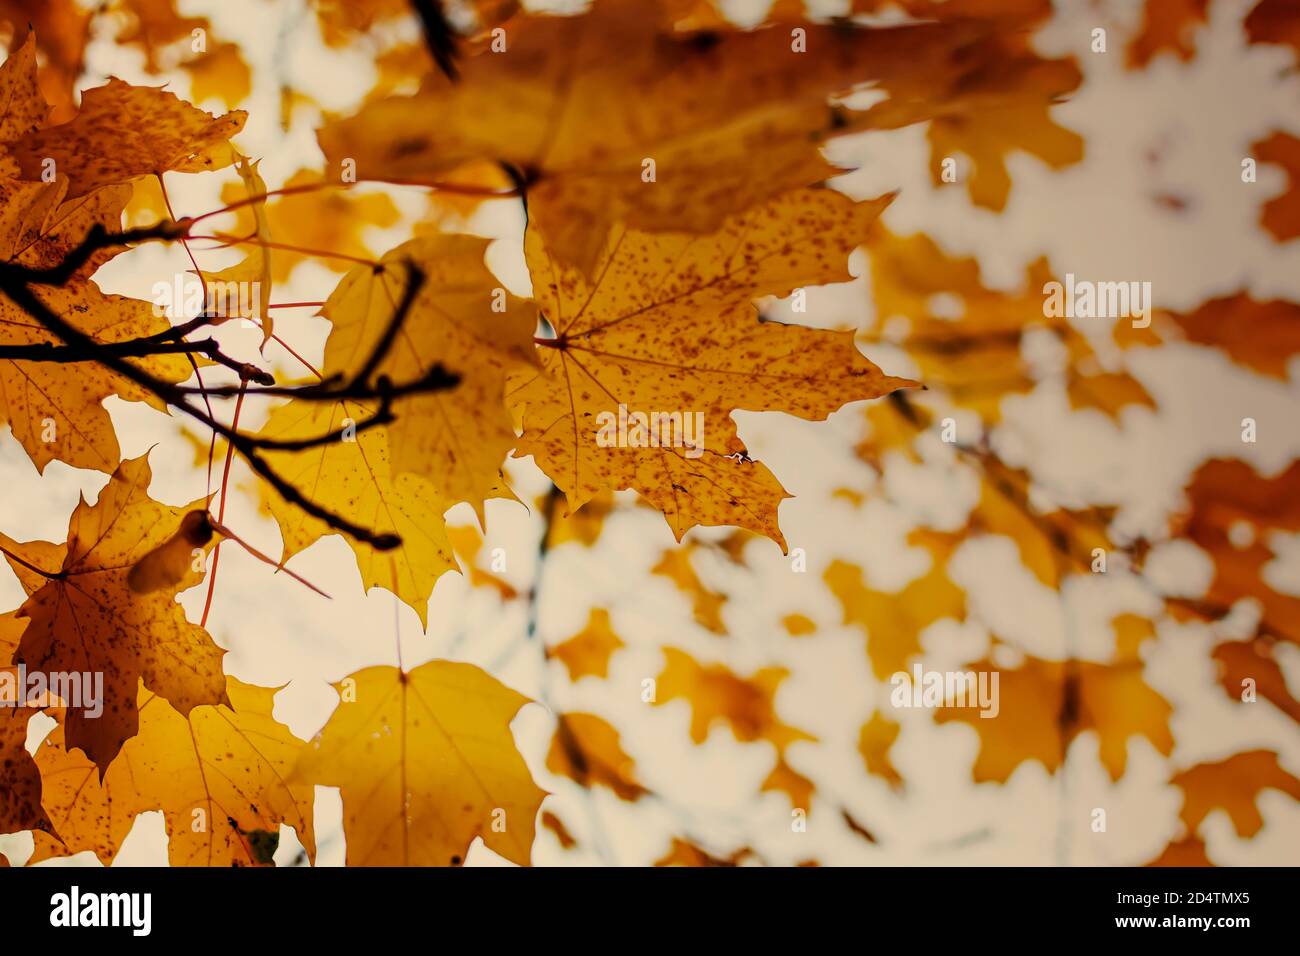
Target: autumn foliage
[[677, 233]]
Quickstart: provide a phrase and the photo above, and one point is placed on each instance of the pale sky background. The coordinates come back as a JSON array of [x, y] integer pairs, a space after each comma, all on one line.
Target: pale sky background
[[1096, 219]]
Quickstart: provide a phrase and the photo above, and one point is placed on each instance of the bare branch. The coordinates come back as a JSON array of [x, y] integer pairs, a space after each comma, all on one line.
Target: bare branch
[[16, 281]]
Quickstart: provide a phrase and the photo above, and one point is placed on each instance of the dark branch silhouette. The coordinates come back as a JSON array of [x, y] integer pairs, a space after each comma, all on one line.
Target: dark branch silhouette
[[17, 282]]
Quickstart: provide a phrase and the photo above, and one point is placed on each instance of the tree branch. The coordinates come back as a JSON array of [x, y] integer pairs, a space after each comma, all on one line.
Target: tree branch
[[16, 281]]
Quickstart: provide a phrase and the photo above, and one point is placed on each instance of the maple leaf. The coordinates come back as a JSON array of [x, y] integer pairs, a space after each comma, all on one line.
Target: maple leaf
[[730, 118], [425, 762], [589, 651], [123, 132], [224, 767], [54, 408], [356, 477], [463, 320], [668, 326], [20, 778], [894, 621], [39, 223], [1045, 705], [747, 705], [85, 617], [586, 749], [38, 228], [1234, 786]]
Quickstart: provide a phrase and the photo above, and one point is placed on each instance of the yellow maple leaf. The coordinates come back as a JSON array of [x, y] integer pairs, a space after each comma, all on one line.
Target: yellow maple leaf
[[85, 617], [123, 132], [463, 320], [218, 775], [355, 476], [426, 762]]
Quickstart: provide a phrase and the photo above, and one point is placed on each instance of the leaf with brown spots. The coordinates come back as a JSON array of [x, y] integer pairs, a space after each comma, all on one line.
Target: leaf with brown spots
[[463, 320], [85, 617], [577, 104], [54, 408], [668, 327], [225, 767], [123, 132], [20, 778], [20, 92]]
